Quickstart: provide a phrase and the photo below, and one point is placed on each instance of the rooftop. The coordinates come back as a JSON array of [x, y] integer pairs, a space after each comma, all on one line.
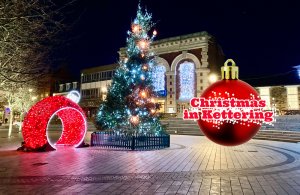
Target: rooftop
[[100, 68], [182, 37]]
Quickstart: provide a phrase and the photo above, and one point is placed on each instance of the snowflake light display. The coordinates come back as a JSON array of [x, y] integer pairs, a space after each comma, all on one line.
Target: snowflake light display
[[158, 77], [37, 120], [187, 81]]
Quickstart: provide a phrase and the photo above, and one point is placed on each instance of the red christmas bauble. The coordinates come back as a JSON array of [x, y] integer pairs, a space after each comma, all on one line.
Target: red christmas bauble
[[227, 133]]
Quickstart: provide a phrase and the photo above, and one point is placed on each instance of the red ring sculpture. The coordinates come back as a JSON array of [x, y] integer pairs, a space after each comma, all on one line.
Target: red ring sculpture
[[37, 120]]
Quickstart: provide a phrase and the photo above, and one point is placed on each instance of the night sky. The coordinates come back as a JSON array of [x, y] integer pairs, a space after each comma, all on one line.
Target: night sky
[[263, 37]]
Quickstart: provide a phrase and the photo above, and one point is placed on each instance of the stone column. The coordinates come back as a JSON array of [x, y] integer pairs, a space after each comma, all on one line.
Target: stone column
[[292, 97], [171, 94], [202, 79], [264, 93], [204, 58]]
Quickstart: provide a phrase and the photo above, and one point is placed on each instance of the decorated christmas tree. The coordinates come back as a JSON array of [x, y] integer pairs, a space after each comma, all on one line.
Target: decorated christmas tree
[[130, 106]]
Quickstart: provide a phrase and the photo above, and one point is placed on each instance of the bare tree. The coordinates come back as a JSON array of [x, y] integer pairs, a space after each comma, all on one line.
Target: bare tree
[[28, 29]]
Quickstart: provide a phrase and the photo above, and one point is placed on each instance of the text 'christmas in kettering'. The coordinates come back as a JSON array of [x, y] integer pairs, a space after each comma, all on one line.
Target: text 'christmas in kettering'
[[228, 110]]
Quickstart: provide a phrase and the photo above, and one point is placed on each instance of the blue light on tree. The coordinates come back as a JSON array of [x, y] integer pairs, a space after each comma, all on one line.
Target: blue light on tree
[[186, 81], [128, 107]]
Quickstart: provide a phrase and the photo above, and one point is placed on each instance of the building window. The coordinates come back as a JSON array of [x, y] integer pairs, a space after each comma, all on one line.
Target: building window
[[170, 82], [201, 88], [170, 76], [171, 89], [201, 74], [61, 87], [74, 85], [88, 78], [158, 76], [292, 98], [110, 74], [68, 86], [170, 95], [170, 102], [264, 94], [186, 81], [201, 81]]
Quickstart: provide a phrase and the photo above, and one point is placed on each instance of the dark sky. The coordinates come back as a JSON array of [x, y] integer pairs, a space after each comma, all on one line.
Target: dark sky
[[263, 37]]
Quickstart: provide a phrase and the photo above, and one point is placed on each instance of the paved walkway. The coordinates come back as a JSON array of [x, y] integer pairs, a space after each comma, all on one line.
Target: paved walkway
[[192, 165]]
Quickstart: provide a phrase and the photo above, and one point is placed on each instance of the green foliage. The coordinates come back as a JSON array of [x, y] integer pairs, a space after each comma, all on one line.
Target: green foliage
[[130, 107]]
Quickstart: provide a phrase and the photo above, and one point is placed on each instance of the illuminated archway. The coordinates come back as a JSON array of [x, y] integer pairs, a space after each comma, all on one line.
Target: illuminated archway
[[186, 81], [158, 76], [37, 120]]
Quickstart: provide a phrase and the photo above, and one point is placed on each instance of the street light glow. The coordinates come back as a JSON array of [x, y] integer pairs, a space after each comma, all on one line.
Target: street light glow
[[104, 89], [212, 78], [298, 70]]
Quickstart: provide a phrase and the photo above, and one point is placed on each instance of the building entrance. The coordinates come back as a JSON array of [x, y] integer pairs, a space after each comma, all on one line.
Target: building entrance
[[181, 107]]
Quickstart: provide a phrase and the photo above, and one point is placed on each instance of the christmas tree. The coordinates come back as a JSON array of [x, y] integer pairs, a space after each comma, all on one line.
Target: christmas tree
[[130, 106]]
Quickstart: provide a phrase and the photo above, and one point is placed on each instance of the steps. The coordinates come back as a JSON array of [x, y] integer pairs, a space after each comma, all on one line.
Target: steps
[[277, 135], [189, 127], [182, 127]]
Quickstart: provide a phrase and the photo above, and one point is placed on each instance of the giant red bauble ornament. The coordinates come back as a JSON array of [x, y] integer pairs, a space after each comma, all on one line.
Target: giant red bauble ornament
[[36, 122], [227, 133]]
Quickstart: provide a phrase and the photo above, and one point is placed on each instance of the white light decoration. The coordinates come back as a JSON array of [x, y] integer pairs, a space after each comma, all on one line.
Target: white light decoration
[[298, 70], [104, 89], [186, 81], [158, 77], [212, 78], [64, 131], [74, 96]]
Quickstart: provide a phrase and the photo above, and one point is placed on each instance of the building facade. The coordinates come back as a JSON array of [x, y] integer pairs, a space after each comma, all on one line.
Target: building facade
[[184, 65], [285, 98], [94, 84], [64, 88]]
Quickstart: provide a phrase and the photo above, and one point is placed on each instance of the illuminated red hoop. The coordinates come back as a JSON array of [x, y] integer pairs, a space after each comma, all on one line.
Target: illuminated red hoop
[[37, 120]]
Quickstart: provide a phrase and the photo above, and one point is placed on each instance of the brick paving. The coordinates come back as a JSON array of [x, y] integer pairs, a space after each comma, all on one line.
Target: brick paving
[[192, 165]]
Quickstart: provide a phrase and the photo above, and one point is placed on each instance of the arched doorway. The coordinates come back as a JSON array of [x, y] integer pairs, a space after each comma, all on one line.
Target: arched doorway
[[185, 84]]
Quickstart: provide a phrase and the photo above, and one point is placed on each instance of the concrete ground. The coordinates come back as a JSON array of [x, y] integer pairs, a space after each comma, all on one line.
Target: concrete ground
[[192, 165]]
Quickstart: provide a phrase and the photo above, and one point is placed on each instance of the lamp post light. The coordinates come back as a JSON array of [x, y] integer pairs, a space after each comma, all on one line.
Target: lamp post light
[[298, 70], [212, 78], [33, 98]]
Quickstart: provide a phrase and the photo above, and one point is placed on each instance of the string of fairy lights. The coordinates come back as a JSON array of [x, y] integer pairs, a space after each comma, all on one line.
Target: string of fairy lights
[[37, 120], [187, 81], [130, 105]]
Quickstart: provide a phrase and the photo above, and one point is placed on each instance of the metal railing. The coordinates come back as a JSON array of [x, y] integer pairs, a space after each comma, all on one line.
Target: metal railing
[[130, 142]]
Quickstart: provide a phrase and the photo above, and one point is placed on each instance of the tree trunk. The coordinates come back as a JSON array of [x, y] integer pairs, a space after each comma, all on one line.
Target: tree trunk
[[21, 121], [11, 116], [20, 127]]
